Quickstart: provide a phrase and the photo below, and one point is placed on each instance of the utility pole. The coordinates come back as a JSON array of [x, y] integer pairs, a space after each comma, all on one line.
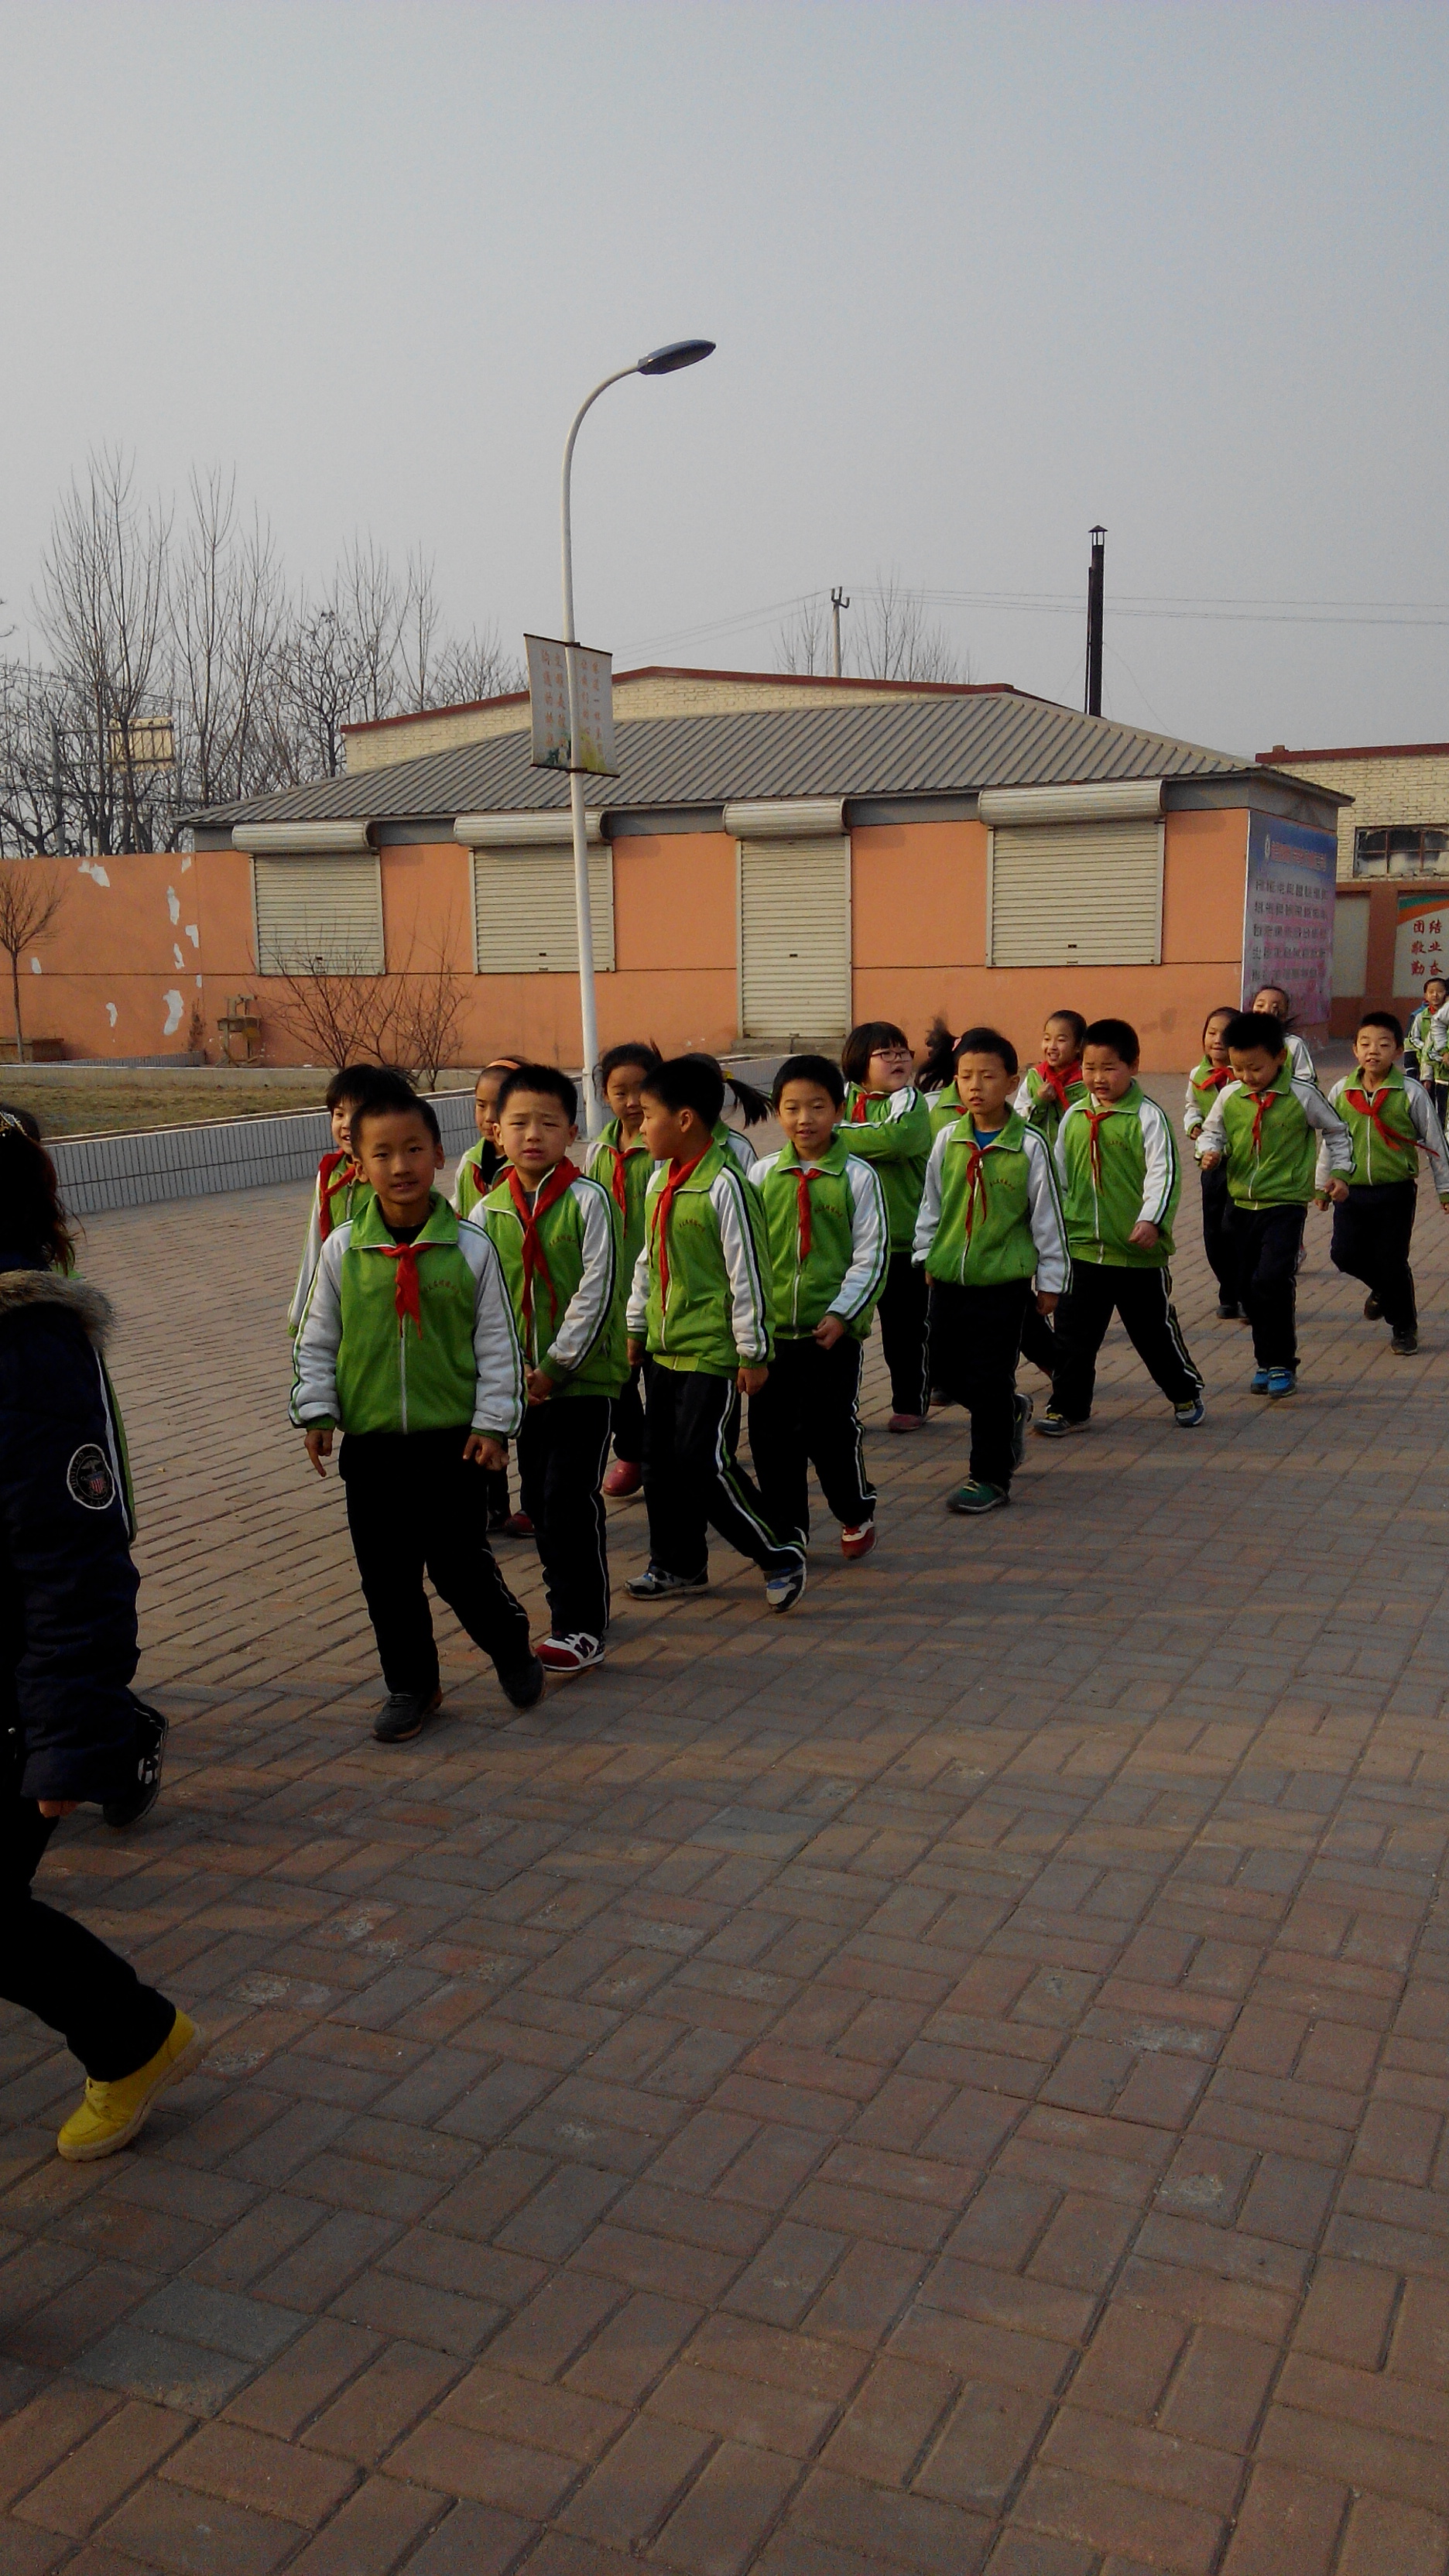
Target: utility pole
[[1095, 579], [838, 601]]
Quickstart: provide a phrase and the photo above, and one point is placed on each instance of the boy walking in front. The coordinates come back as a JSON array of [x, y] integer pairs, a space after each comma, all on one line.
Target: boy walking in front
[[1390, 1120], [1118, 1172], [700, 1320], [407, 1346], [1264, 1128], [829, 1245], [558, 1237]]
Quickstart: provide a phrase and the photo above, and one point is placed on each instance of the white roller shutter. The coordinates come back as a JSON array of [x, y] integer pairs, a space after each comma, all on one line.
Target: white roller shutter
[[524, 918], [1076, 894], [318, 915], [795, 937]]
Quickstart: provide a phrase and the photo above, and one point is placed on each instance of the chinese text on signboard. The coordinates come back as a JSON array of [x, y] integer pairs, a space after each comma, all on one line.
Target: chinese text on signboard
[[1288, 914], [548, 700], [1421, 940]]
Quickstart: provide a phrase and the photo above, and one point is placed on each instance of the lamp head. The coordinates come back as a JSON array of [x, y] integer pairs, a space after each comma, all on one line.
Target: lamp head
[[675, 353]]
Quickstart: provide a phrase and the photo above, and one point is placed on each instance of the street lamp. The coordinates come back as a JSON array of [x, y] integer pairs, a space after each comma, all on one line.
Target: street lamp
[[659, 362]]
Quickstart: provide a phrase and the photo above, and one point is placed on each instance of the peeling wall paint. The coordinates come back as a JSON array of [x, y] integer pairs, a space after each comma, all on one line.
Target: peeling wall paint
[[174, 1006], [173, 905], [92, 868]]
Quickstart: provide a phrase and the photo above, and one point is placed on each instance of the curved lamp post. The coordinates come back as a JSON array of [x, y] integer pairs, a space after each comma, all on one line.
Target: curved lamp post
[[659, 362]]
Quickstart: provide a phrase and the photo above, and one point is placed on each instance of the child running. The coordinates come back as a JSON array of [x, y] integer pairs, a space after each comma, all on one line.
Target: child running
[[1205, 1081], [1274, 1002], [1425, 1043], [340, 1189], [407, 1346], [889, 1124], [1261, 1128], [558, 1236], [1390, 1121], [990, 1223], [480, 1164], [829, 1244], [621, 1160], [1118, 1171], [699, 1319]]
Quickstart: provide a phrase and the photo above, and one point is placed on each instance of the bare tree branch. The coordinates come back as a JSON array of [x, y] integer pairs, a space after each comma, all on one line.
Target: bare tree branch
[[30, 898]]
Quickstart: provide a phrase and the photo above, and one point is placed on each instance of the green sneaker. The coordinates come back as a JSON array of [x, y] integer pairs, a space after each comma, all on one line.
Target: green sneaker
[[974, 1497]]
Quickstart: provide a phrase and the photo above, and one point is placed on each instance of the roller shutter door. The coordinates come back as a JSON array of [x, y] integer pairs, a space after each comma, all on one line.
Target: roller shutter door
[[1076, 894], [795, 938], [318, 915], [524, 920]]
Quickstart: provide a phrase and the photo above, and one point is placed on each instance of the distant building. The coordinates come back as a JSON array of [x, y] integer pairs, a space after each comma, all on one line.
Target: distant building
[[1392, 922]]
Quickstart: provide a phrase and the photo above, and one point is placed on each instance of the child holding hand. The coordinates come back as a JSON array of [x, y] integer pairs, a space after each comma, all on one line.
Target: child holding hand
[[622, 1161], [1390, 1120], [888, 1123]]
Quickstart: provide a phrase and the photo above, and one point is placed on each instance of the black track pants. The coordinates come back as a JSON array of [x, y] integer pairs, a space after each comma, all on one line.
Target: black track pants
[[902, 1312], [1038, 1341], [51, 1966], [975, 1340], [807, 1414], [414, 1501], [1372, 1228], [629, 1422], [1217, 1242], [1266, 1243], [1143, 1299], [563, 1450], [692, 1480]]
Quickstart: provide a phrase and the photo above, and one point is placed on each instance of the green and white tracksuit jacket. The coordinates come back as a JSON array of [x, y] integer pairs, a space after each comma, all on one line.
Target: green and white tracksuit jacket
[[945, 1109], [892, 1129], [700, 1297], [478, 1169], [341, 1192], [1037, 1102], [992, 1214], [408, 1336], [829, 1238], [1204, 1083], [1388, 1129], [1428, 1042], [735, 1143], [624, 1171], [565, 1281], [1300, 1061], [1268, 1141], [1117, 1167]]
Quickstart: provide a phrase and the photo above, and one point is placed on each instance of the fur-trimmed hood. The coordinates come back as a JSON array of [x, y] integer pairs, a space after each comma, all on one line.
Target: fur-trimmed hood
[[21, 1290]]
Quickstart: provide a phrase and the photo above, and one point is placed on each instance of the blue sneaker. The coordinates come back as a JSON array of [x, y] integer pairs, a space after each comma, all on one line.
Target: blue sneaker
[[1282, 1381], [1188, 1416], [1258, 1383]]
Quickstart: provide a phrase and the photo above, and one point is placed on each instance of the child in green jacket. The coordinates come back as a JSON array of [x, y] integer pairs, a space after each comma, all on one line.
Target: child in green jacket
[[1425, 1043], [559, 1239], [990, 1226], [829, 1245], [340, 1189], [700, 1320], [622, 1161], [1118, 1172], [1390, 1120], [407, 1345], [887, 1122], [481, 1162], [1208, 1077], [1263, 1128], [1050, 1086]]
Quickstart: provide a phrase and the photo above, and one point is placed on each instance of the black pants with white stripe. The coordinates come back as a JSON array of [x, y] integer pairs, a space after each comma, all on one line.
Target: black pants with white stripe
[[563, 1450], [415, 1501], [1143, 1299], [1266, 1244], [1217, 1241], [976, 1336], [807, 1414], [693, 1482], [1372, 1229], [902, 1312]]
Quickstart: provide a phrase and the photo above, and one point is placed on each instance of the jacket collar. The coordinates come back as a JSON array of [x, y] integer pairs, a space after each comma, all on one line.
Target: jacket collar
[[834, 1159], [1131, 1100], [370, 1230], [1008, 1137], [1357, 1081]]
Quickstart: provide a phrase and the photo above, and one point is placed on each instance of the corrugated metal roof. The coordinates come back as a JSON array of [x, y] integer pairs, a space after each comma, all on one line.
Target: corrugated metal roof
[[931, 748]]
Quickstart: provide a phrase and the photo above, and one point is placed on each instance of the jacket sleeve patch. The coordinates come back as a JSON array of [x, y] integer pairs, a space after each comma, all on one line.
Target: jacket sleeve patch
[[89, 1479]]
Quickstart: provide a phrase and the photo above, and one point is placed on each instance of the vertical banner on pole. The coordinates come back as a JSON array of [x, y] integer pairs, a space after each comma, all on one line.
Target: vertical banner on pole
[[548, 706], [1288, 915]]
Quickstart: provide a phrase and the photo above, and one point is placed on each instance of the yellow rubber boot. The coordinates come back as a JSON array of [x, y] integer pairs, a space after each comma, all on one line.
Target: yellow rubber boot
[[111, 2114]]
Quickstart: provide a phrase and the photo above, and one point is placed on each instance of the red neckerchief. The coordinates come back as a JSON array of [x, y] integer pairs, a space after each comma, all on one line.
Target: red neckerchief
[[1214, 1078], [406, 1290], [1057, 1083], [1367, 1107], [860, 1109], [805, 1173], [534, 1258], [976, 1181], [335, 1173], [1259, 1114], [1094, 1118], [674, 1179]]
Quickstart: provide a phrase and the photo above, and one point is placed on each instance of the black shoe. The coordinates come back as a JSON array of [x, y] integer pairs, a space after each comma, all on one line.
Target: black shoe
[[1024, 1408], [401, 1715], [1372, 1310], [1406, 1343], [138, 1801], [656, 1583], [522, 1683], [1228, 1310]]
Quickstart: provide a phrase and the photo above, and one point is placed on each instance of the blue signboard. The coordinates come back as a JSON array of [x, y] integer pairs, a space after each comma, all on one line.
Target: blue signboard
[[1288, 914]]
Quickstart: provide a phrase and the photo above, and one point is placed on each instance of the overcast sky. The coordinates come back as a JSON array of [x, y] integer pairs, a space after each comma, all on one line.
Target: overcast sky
[[979, 275]]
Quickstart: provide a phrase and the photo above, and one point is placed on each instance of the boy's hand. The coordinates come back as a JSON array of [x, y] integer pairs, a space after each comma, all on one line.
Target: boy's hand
[[750, 1380], [1337, 1190], [484, 1451], [53, 1807], [636, 1351], [1143, 1235], [829, 1331], [1208, 1162], [319, 1445], [539, 1384], [1047, 1300]]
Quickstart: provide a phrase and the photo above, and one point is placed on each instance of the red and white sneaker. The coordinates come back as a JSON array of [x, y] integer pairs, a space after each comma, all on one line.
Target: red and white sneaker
[[571, 1654], [907, 1422], [858, 1542], [517, 1525], [623, 1481]]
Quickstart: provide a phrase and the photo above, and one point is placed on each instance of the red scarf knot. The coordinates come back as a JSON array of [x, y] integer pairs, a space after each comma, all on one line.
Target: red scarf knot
[[860, 1109], [1057, 1083], [406, 1287], [975, 1184], [617, 1160], [1215, 1077], [805, 1173], [335, 1173], [535, 1260], [1264, 1102], [1094, 1118], [1367, 1105], [674, 1179]]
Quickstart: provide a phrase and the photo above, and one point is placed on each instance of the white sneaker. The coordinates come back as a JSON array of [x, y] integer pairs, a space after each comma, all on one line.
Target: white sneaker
[[571, 1654], [782, 1591]]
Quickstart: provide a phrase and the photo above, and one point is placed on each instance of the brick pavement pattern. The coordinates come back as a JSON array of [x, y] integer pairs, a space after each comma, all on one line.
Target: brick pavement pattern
[[954, 2080]]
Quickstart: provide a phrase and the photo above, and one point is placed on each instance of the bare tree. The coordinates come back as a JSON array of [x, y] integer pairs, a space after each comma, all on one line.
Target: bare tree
[[894, 639], [338, 1007], [803, 642], [225, 627], [104, 607], [427, 1010], [30, 898], [32, 715]]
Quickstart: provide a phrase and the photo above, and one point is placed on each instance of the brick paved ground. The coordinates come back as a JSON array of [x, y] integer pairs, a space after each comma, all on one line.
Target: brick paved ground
[[954, 2080]]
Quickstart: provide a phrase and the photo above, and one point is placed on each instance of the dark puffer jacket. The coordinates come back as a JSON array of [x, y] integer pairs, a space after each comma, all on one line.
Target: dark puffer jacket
[[67, 1583]]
